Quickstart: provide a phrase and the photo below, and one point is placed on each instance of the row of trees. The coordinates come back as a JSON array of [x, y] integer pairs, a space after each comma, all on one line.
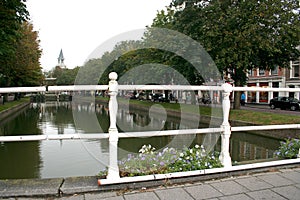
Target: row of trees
[[19, 46], [238, 35]]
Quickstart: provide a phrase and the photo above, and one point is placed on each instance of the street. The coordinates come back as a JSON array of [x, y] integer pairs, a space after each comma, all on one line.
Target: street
[[266, 108]]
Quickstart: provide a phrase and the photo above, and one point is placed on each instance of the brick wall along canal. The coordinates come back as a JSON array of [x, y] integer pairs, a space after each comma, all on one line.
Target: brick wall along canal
[[65, 158]]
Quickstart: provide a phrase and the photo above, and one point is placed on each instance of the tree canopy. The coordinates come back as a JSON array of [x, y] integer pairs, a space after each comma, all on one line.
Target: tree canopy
[[239, 35], [64, 76], [19, 46]]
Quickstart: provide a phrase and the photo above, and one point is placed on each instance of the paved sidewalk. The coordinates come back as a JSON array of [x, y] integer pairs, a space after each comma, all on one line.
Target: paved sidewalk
[[282, 184]]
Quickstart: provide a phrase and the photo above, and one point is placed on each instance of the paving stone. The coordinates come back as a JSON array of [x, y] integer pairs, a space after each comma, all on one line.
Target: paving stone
[[297, 169], [143, 196], [236, 197], [265, 194], [96, 196], [289, 192], [293, 176], [229, 187], [172, 194], [275, 180], [114, 198], [203, 192], [253, 183], [74, 197], [286, 170]]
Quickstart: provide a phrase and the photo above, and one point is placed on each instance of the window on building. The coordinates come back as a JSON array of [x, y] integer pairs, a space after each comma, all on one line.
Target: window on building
[[263, 96], [261, 72], [275, 70], [250, 72], [295, 68], [275, 85]]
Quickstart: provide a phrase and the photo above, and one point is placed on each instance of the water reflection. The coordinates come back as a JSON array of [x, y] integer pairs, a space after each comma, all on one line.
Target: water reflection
[[64, 158], [21, 159], [245, 147]]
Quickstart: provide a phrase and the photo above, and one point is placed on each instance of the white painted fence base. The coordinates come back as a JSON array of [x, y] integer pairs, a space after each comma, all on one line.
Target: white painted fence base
[[197, 172]]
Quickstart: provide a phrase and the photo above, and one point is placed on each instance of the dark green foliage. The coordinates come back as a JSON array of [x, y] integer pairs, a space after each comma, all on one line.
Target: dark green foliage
[[288, 149], [19, 46]]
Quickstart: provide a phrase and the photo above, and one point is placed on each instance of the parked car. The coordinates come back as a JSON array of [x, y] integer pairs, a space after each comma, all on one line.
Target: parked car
[[285, 103], [158, 97]]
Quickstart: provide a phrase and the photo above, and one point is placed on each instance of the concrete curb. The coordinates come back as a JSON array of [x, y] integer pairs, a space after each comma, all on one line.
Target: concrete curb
[[29, 187]]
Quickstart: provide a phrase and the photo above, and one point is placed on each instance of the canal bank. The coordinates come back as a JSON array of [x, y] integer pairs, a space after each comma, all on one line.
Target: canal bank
[[276, 180], [9, 112], [213, 121]]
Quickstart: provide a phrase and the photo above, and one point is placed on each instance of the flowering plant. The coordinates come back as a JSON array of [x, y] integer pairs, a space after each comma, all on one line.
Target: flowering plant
[[195, 158], [149, 161], [288, 148]]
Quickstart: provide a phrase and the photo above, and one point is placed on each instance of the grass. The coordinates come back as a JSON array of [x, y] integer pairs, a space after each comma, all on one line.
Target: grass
[[11, 104], [256, 117], [264, 118]]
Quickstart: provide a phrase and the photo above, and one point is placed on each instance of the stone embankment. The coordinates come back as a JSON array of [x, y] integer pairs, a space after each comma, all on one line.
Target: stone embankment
[[13, 110]]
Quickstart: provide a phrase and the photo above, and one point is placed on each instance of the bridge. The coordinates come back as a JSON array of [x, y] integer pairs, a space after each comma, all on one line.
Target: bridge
[[113, 134]]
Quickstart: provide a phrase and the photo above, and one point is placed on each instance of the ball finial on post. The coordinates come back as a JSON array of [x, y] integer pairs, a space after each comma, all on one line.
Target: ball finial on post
[[113, 76]]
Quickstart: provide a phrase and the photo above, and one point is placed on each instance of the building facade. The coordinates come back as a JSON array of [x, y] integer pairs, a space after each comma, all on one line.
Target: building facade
[[277, 78]]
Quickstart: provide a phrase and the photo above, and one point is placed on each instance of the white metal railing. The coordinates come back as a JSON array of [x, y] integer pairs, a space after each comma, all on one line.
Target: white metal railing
[[113, 135], [139, 87]]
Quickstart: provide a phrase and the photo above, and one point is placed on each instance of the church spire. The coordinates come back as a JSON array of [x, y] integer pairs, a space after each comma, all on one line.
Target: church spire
[[61, 59]]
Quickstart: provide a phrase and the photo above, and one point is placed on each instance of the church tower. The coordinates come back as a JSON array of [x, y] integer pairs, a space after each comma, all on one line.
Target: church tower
[[61, 59]]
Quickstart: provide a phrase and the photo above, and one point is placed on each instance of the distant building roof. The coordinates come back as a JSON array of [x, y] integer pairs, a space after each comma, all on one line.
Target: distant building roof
[[61, 57]]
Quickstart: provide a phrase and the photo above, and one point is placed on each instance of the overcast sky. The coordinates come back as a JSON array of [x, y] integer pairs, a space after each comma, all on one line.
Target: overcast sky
[[79, 26]]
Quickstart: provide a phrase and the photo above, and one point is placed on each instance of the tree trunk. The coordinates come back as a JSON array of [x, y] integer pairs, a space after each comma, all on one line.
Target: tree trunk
[[237, 100], [193, 98]]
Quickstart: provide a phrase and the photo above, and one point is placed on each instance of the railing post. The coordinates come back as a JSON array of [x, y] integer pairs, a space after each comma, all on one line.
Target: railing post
[[113, 168], [225, 127]]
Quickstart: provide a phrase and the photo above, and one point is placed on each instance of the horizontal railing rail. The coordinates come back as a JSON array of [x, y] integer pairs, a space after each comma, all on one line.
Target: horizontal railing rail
[[79, 136], [139, 87]]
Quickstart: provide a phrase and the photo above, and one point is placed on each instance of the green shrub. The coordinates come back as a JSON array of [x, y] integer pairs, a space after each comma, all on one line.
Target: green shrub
[[288, 148]]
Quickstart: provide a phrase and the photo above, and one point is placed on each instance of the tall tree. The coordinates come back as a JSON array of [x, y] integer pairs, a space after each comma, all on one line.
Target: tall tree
[[240, 35], [19, 46], [25, 70], [12, 14]]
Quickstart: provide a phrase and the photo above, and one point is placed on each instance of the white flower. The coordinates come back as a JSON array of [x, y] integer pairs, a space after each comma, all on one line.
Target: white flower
[[181, 154], [197, 146]]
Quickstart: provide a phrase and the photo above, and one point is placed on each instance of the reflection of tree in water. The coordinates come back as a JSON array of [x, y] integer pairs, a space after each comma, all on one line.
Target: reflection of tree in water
[[59, 114], [26, 123], [21, 159]]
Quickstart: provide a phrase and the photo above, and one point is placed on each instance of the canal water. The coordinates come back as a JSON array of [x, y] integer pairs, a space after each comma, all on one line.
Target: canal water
[[66, 158]]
